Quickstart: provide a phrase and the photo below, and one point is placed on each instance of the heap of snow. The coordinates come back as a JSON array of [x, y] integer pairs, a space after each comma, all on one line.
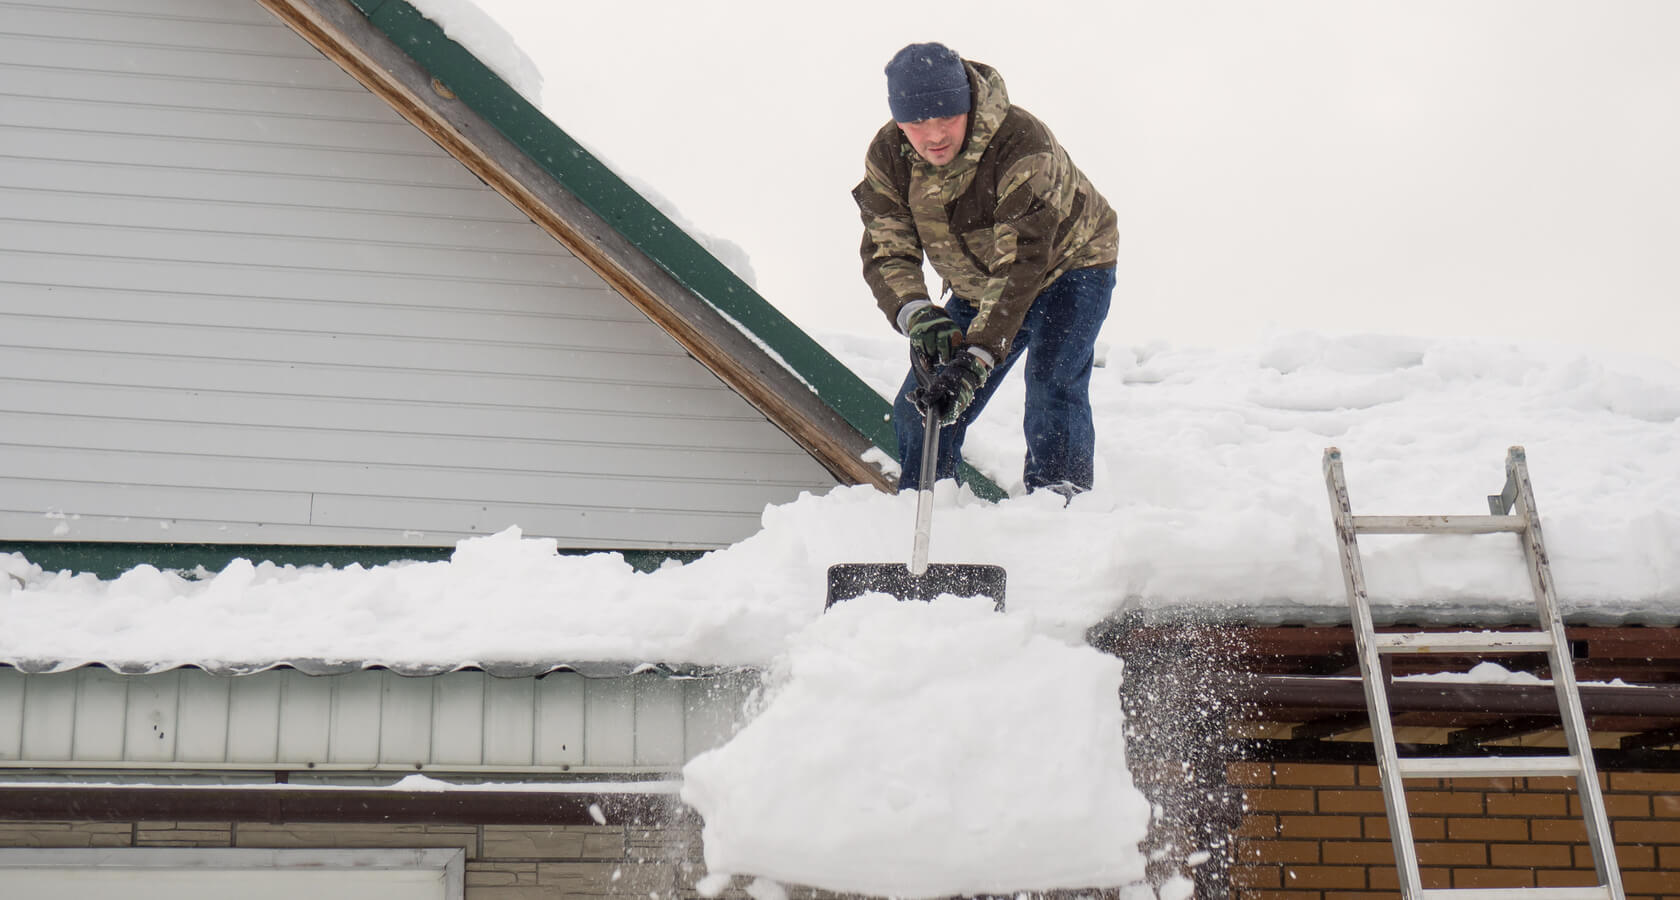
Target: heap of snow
[[927, 749]]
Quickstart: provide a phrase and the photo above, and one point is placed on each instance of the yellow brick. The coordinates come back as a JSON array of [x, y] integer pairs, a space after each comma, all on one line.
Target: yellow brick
[[1487, 829], [1452, 854], [1257, 876], [1277, 851], [1247, 773], [1492, 878], [1527, 805], [1320, 877], [1358, 852], [1275, 800], [1445, 802], [1315, 774], [1324, 826]]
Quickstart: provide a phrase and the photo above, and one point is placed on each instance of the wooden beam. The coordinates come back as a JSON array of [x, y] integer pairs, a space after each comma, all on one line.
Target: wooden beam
[[1329, 726], [1475, 737], [343, 35]]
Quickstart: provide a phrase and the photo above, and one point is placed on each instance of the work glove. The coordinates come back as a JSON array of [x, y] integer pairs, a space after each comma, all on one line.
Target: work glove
[[952, 389], [933, 334]]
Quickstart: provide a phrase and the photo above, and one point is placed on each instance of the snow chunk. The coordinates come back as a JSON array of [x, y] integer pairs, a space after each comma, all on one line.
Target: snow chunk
[[927, 749]]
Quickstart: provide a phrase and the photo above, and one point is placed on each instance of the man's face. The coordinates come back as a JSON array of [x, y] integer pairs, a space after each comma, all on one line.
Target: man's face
[[937, 140]]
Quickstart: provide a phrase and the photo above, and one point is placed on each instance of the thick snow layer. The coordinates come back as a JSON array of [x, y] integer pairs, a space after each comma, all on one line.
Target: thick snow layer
[[1210, 501], [912, 749], [1000, 750]]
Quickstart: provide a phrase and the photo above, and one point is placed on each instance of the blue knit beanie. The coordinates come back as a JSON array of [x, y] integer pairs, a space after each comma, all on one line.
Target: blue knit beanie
[[926, 81]]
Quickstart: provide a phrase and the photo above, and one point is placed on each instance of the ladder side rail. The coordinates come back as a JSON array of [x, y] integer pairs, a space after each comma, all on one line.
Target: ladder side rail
[[1568, 692], [1376, 694]]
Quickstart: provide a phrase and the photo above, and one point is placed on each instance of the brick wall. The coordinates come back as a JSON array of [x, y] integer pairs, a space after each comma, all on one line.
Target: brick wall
[[1319, 832]]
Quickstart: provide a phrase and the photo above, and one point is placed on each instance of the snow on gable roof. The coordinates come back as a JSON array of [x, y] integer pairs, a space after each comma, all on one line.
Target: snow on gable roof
[[448, 92], [1210, 504]]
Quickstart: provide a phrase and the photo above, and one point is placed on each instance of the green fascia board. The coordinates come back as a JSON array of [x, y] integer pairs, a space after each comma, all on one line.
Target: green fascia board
[[649, 230]]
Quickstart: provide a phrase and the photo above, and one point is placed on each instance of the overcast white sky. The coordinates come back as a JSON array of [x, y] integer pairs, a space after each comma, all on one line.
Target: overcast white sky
[[1434, 167]]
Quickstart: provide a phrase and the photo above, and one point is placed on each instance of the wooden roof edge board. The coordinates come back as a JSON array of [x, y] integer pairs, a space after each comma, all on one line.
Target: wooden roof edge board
[[455, 99], [267, 803]]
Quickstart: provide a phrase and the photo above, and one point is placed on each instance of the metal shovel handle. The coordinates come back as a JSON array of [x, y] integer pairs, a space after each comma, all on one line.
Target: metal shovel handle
[[930, 452]]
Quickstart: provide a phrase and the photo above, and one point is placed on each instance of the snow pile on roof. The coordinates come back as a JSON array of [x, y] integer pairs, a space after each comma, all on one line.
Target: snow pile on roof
[[1210, 500], [999, 750]]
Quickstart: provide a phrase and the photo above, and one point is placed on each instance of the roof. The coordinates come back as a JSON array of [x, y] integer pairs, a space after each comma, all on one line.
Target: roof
[[473, 113]]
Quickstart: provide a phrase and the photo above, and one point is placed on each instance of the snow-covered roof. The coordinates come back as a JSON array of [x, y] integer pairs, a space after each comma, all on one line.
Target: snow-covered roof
[[1210, 502]]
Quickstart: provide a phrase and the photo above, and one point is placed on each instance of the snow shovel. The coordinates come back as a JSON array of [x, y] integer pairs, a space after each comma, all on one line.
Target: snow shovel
[[919, 580]]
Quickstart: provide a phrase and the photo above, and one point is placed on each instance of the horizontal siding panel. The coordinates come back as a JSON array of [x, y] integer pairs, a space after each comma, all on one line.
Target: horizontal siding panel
[[26, 365], [24, 495], [136, 26], [276, 256], [276, 220], [710, 481], [486, 423], [204, 10], [258, 99], [395, 136], [237, 156], [570, 362], [326, 350], [307, 71], [459, 202], [338, 320], [582, 293]]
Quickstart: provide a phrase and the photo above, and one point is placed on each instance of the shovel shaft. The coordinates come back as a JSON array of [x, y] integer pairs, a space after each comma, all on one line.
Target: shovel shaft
[[924, 494]]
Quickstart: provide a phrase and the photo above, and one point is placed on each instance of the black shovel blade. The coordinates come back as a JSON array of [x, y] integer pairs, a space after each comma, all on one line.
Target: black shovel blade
[[848, 580]]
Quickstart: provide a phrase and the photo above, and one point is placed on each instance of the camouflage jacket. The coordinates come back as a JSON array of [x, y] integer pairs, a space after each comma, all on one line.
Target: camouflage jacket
[[999, 223]]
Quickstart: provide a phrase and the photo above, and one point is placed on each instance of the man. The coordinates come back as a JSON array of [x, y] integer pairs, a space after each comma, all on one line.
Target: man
[[1026, 248]]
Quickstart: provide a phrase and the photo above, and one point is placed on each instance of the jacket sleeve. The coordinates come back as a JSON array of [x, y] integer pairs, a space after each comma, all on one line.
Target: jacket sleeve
[[1024, 232], [892, 251]]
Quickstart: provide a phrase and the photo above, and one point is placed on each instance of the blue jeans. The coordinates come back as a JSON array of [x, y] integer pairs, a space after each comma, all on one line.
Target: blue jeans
[[1058, 338]]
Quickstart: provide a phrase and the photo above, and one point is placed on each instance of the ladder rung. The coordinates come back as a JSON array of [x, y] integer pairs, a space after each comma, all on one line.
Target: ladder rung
[[1449, 641], [1438, 524], [1488, 766], [1596, 892]]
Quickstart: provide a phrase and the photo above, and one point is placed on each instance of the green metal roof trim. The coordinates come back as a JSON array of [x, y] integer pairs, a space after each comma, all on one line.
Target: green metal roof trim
[[639, 221]]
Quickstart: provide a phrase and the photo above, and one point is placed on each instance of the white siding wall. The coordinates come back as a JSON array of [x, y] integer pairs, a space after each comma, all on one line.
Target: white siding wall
[[93, 718], [241, 300]]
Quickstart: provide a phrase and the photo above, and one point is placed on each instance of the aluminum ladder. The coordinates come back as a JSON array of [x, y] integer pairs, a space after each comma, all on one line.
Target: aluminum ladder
[[1512, 510]]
